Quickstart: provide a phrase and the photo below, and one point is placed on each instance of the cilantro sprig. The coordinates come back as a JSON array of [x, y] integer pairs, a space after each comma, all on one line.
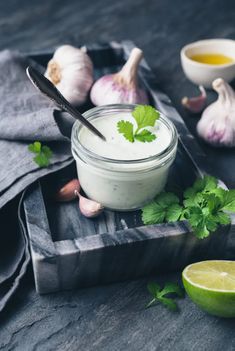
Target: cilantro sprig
[[145, 116], [205, 206], [43, 153], [164, 295]]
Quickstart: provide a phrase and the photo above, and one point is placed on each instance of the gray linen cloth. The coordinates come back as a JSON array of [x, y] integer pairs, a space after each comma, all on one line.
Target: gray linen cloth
[[25, 116]]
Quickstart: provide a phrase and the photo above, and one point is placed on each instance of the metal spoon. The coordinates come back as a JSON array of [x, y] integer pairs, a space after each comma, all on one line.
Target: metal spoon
[[47, 88]]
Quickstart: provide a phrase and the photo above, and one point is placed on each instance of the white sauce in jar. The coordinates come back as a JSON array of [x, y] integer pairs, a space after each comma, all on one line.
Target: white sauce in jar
[[117, 146]]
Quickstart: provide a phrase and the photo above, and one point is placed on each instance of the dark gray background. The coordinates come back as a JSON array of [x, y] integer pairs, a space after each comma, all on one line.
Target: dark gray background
[[114, 317]]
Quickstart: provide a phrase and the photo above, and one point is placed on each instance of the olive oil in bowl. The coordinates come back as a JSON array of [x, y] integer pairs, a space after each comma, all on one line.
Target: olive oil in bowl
[[205, 60], [212, 59]]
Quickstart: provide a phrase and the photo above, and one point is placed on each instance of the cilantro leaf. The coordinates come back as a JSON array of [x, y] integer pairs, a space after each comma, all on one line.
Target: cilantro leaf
[[205, 184], [145, 136], [161, 295], [166, 199], [219, 192], [194, 215], [223, 218], [46, 151], [211, 223], [201, 221], [173, 213], [172, 288], [153, 213], [43, 153], [126, 128], [229, 201], [145, 116], [194, 200], [201, 185], [165, 206], [201, 231], [35, 147], [213, 202], [41, 160]]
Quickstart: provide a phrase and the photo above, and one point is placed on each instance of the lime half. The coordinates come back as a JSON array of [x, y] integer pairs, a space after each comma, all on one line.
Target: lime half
[[211, 285]]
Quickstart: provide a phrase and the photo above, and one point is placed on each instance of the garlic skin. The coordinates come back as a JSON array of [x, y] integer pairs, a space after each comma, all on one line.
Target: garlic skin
[[67, 192], [217, 123], [121, 87], [195, 104], [89, 208], [71, 71]]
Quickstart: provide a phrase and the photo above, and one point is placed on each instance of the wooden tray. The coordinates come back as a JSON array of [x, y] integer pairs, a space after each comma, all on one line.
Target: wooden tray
[[70, 250]]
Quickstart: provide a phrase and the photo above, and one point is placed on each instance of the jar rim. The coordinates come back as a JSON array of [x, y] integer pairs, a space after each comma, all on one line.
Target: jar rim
[[89, 114]]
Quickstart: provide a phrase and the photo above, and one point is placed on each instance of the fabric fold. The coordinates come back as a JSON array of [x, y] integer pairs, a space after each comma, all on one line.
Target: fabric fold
[[25, 116]]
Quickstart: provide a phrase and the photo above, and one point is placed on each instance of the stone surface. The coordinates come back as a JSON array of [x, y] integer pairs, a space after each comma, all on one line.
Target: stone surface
[[113, 317]]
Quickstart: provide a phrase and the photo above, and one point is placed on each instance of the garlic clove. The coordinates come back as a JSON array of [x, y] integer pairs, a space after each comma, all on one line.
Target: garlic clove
[[89, 208], [121, 87], [67, 192], [197, 103], [217, 123], [71, 70]]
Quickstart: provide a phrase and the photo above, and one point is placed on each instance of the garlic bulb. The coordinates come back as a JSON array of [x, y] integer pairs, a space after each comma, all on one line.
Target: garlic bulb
[[121, 87], [71, 70], [195, 104], [217, 123]]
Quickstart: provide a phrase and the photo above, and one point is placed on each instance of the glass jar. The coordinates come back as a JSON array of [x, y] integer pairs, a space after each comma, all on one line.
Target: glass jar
[[121, 184]]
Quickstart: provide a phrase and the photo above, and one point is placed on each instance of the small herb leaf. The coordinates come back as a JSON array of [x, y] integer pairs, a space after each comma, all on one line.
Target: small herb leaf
[[195, 216], [194, 200], [126, 128], [43, 154], [166, 199], [205, 184], [145, 116], [173, 288], [145, 136], [47, 151], [153, 214], [159, 295], [165, 206], [35, 147], [173, 212], [229, 200], [41, 160], [223, 218], [202, 185], [201, 231]]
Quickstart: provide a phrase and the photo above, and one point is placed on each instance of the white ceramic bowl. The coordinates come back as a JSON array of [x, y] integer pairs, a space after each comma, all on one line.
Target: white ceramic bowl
[[202, 73]]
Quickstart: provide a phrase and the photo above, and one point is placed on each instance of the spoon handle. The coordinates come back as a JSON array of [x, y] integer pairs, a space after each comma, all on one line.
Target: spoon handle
[[47, 88]]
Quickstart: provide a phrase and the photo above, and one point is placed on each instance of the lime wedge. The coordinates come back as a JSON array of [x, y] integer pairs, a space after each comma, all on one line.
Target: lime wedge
[[211, 285]]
